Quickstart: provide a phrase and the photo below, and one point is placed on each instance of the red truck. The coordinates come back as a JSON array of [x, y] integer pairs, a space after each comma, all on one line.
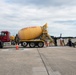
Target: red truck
[[4, 37]]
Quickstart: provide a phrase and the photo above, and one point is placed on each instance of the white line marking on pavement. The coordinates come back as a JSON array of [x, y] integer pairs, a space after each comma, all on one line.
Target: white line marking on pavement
[[5, 49]]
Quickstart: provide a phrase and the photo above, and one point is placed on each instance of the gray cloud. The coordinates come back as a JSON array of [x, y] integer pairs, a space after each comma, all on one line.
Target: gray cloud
[[44, 3], [67, 22]]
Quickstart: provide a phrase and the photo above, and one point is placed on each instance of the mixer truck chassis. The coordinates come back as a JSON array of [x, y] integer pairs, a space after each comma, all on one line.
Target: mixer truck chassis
[[32, 44]]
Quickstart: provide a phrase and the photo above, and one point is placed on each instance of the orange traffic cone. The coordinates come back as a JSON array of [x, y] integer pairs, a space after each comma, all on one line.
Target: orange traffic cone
[[17, 47]]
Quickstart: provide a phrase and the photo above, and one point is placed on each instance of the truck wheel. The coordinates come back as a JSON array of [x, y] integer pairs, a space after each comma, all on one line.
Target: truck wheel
[[1, 44], [40, 44], [24, 44], [12, 42], [32, 44]]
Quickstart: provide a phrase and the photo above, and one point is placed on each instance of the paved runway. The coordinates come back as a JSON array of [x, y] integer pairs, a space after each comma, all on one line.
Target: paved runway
[[38, 61]]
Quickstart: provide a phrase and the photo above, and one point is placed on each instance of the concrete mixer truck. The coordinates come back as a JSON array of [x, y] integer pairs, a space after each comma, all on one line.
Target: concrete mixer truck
[[32, 36]]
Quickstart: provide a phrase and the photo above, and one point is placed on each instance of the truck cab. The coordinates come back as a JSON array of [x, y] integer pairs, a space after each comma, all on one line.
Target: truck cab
[[4, 37]]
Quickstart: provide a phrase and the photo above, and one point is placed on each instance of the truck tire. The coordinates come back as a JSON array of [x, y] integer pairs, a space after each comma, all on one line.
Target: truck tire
[[1, 44], [24, 44], [12, 42], [40, 44], [32, 44]]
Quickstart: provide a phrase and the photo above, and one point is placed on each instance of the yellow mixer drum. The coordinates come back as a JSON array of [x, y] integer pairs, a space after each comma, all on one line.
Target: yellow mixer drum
[[30, 33]]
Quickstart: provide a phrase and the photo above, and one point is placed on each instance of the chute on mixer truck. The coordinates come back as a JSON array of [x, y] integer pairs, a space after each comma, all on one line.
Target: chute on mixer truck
[[31, 36]]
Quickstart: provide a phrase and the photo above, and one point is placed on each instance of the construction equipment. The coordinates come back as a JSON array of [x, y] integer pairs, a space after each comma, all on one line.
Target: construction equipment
[[4, 37], [34, 36], [12, 39]]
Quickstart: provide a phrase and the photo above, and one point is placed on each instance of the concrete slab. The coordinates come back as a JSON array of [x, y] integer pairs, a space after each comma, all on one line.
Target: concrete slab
[[27, 61]]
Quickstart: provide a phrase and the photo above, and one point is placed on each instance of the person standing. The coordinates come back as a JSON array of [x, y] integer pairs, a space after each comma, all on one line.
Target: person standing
[[55, 41], [61, 42], [69, 42], [17, 39]]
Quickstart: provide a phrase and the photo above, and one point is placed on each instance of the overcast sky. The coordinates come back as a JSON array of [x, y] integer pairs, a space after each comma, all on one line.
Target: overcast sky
[[59, 14]]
